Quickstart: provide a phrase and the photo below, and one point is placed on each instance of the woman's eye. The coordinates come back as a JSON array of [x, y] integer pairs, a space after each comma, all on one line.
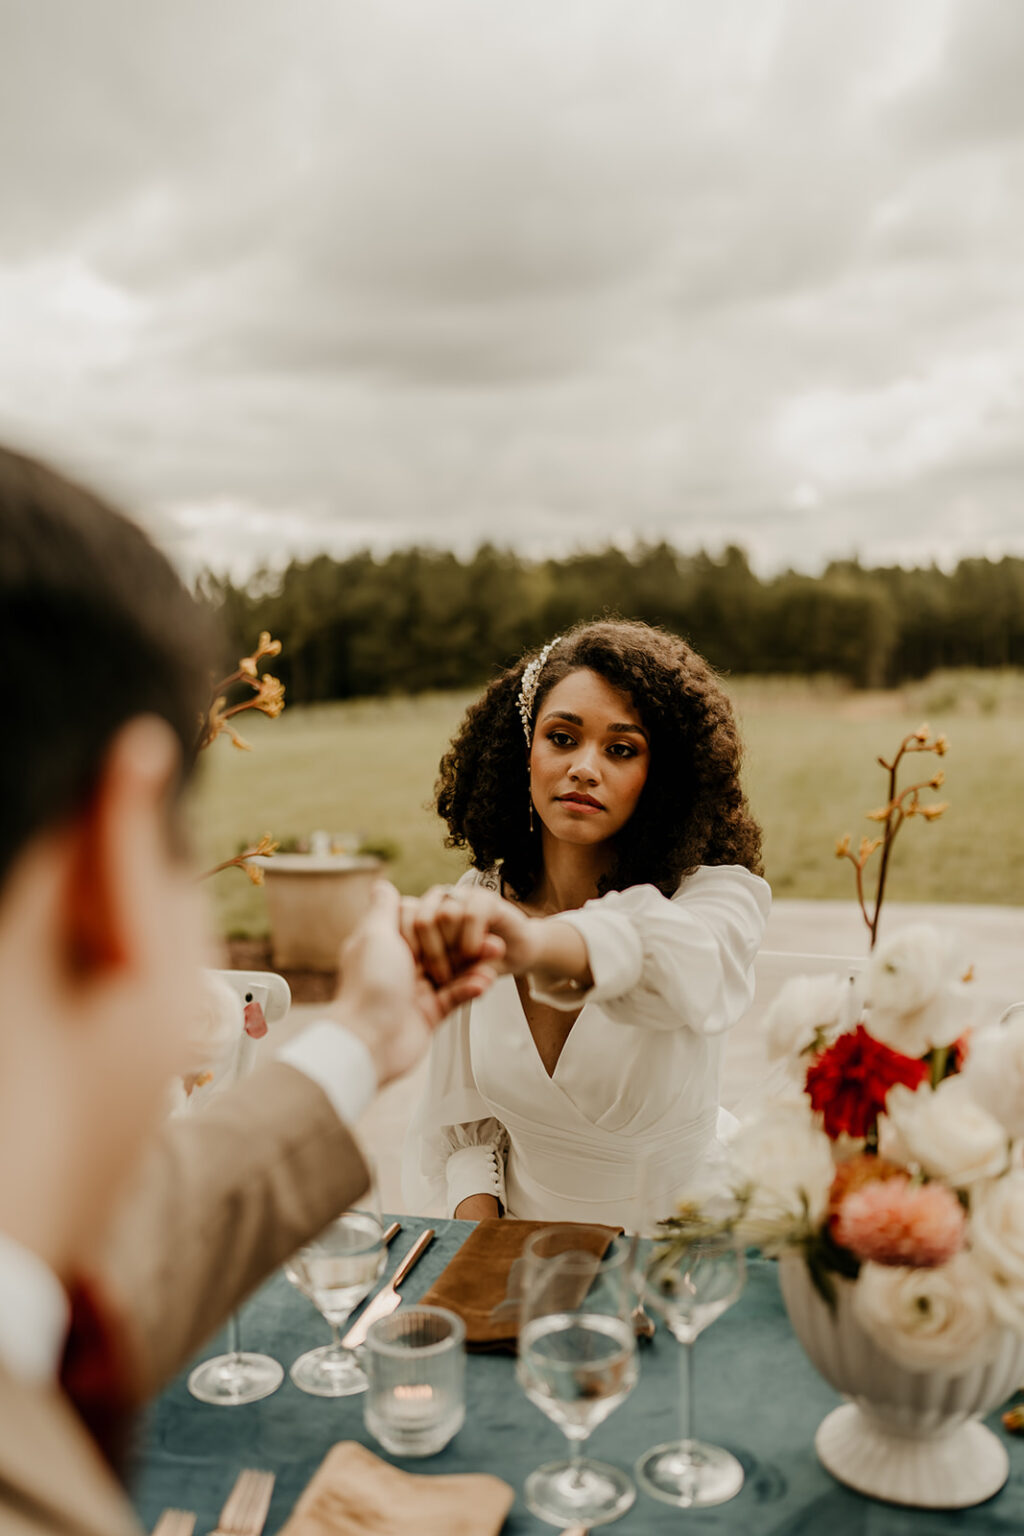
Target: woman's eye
[[561, 739], [622, 749]]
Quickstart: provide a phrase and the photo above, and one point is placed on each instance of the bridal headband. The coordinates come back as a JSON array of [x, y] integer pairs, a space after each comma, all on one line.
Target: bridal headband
[[528, 686]]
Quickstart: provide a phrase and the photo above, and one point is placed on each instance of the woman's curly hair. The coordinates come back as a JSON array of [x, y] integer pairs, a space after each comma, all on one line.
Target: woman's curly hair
[[691, 811]]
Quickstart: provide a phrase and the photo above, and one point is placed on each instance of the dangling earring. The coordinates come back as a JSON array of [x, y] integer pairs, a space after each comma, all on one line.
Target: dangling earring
[[530, 794]]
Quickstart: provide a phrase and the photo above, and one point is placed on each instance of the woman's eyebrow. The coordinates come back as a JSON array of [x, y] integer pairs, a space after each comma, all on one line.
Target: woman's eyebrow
[[610, 730]]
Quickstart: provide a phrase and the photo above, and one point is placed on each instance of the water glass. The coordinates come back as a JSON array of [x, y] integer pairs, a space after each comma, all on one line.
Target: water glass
[[241, 1375], [577, 1364], [416, 1363], [691, 1282], [336, 1271]]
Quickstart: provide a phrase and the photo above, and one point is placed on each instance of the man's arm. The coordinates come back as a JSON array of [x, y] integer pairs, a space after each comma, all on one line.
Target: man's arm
[[226, 1196], [222, 1199]]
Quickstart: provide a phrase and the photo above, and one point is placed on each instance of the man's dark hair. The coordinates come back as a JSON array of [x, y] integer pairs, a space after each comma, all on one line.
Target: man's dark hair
[[95, 628]]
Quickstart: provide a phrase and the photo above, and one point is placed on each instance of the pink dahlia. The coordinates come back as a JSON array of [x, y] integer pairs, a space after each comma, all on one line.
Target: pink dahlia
[[897, 1222]]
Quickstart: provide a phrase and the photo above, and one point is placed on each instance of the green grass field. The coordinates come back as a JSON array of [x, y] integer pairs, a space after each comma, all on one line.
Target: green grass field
[[367, 768]]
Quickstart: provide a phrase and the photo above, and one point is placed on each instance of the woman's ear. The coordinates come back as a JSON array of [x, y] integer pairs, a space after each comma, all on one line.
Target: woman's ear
[[121, 827]]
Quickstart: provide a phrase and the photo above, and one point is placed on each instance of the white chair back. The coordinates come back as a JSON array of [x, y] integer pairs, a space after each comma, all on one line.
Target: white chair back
[[274, 996], [774, 967], [749, 1079]]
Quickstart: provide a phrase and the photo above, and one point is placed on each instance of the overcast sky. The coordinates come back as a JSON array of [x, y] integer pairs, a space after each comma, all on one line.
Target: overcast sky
[[290, 275]]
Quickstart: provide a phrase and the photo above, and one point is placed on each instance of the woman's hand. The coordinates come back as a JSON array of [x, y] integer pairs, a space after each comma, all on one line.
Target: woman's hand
[[447, 930], [477, 1208]]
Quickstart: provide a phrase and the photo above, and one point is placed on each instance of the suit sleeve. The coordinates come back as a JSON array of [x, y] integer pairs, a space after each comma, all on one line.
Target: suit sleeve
[[222, 1199]]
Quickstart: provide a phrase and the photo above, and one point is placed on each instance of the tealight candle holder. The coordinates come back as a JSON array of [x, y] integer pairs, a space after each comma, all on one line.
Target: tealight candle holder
[[416, 1364]]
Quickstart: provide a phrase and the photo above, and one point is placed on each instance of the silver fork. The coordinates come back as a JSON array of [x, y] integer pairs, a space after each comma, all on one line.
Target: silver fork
[[245, 1512], [175, 1522]]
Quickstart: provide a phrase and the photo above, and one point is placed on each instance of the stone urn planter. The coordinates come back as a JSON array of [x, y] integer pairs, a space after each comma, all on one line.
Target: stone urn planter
[[910, 1437], [313, 902]]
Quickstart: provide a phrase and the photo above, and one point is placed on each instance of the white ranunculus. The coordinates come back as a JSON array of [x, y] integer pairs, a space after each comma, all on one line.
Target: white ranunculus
[[937, 1319], [804, 1006], [916, 998], [944, 1132], [787, 1161], [995, 1073], [997, 1242]]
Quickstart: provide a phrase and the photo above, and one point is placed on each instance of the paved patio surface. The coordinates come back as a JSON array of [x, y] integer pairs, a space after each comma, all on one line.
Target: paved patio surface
[[990, 938]]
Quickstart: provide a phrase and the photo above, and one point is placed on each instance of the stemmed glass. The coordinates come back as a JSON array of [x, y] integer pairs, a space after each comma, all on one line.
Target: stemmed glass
[[577, 1363], [691, 1283], [336, 1270], [241, 1375]]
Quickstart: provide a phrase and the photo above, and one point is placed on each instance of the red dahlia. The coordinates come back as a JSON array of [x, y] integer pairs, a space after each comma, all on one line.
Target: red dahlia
[[849, 1082]]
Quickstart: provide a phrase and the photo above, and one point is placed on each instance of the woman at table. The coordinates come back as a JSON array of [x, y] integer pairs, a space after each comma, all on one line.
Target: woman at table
[[596, 787]]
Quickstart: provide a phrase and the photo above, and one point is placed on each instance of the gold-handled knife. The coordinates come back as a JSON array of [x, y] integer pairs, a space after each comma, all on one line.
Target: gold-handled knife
[[387, 1299]]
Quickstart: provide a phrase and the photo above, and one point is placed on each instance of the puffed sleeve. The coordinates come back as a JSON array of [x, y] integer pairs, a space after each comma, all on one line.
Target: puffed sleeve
[[684, 961], [454, 1146]]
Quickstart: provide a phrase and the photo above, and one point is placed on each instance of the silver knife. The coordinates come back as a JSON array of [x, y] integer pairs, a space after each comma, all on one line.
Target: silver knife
[[387, 1299]]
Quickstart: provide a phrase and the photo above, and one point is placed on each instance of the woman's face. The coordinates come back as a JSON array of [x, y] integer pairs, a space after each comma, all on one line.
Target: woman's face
[[589, 759]]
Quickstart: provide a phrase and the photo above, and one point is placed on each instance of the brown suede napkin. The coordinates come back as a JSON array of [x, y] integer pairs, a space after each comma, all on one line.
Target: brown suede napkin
[[354, 1493], [480, 1282]]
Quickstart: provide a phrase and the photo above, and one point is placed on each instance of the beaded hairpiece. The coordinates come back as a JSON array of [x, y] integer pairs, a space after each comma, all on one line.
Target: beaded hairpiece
[[528, 686]]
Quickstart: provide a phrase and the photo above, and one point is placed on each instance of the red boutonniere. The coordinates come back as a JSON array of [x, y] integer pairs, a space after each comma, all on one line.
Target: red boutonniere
[[849, 1082]]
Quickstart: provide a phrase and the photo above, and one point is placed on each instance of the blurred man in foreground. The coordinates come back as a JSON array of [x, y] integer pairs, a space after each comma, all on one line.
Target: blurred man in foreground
[[124, 1242]]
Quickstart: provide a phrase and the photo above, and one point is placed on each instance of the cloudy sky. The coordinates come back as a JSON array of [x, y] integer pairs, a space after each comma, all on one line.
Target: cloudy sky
[[328, 273]]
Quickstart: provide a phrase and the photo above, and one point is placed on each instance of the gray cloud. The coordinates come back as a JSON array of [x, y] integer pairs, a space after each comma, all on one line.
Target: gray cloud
[[331, 275]]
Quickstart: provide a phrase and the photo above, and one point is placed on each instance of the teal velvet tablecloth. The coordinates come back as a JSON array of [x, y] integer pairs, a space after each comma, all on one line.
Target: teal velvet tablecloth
[[755, 1393]]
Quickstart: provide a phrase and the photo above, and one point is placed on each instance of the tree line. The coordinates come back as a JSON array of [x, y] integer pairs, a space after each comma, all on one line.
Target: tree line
[[420, 618]]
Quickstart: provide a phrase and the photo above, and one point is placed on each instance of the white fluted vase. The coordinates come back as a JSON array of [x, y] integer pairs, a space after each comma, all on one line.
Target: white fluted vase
[[911, 1437]]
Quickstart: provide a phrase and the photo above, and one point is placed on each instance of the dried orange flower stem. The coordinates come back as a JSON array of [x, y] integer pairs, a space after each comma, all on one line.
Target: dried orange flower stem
[[264, 849], [268, 696], [898, 808]]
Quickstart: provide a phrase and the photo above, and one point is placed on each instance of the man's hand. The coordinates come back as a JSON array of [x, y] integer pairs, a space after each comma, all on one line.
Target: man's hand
[[387, 1000]]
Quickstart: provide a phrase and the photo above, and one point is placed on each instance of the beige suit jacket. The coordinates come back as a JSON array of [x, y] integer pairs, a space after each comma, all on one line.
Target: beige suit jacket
[[220, 1202]]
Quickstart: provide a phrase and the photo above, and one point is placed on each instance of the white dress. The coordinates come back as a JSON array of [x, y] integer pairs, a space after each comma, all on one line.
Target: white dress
[[628, 1119]]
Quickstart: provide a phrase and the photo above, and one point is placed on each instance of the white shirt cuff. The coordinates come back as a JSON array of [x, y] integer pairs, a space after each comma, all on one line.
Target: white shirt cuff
[[337, 1062], [615, 952], [34, 1314], [475, 1171]]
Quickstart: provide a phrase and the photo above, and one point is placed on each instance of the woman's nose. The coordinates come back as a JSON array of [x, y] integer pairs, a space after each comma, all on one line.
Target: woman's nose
[[585, 766]]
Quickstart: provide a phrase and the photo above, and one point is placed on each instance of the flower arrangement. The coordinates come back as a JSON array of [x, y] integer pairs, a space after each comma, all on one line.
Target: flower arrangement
[[895, 1162]]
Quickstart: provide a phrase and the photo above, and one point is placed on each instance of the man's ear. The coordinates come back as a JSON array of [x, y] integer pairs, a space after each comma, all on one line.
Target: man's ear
[[123, 825]]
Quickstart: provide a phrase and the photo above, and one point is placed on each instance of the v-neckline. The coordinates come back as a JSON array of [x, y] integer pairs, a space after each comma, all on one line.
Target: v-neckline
[[534, 1050]]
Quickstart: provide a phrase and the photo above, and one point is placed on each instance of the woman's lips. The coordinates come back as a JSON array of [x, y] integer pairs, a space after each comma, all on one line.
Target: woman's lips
[[581, 802]]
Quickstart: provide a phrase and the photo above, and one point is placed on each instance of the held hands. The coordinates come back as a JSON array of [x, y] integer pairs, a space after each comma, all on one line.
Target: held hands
[[387, 998], [446, 929]]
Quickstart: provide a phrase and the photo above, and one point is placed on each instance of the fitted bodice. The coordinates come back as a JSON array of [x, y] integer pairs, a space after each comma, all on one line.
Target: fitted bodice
[[626, 1110]]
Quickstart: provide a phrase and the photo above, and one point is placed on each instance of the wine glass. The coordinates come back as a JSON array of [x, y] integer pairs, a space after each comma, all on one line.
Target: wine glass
[[241, 1375], [690, 1283], [336, 1270], [577, 1363]]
